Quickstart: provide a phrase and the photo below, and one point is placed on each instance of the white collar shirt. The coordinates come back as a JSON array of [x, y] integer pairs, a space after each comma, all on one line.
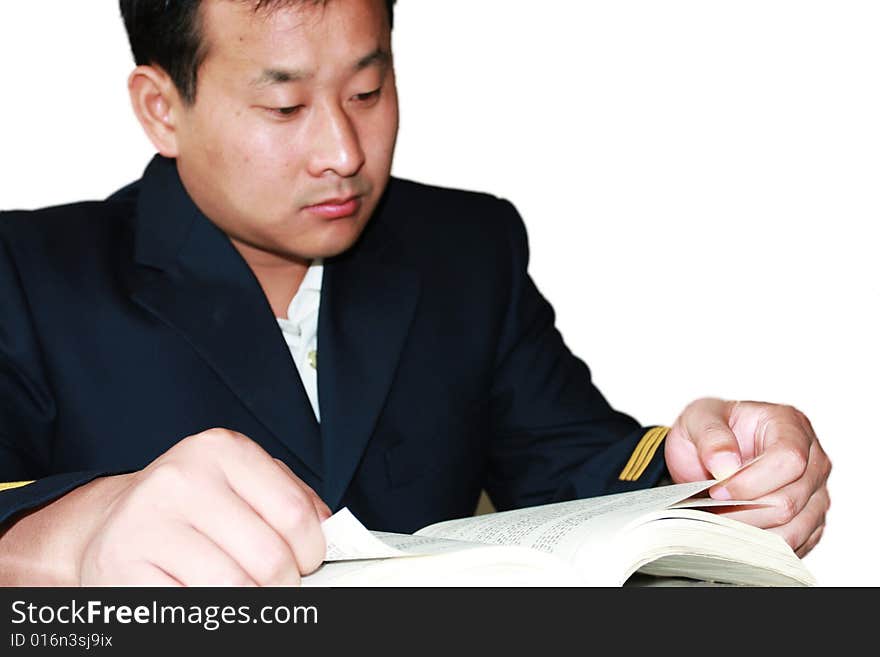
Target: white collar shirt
[[300, 331]]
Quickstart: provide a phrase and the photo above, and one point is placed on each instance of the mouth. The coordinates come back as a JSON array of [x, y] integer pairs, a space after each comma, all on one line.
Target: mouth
[[336, 208]]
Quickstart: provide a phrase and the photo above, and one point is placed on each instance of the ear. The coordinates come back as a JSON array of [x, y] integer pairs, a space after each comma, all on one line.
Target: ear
[[157, 105]]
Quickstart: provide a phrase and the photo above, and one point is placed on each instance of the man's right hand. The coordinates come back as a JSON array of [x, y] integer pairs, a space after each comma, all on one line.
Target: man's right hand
[[213, 510]]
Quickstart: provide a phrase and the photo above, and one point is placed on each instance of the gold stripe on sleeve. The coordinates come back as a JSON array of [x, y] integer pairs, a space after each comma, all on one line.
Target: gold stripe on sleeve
[[9, 485], [636, 457], [648, 454], [643, 453]]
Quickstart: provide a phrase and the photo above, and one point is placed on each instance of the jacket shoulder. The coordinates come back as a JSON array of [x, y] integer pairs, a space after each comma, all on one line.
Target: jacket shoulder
[[450, 215], [436, 198], [70, 225]]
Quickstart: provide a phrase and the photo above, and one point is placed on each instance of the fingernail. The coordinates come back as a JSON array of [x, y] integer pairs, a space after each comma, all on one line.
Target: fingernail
[[723, 464], [720, 493], [291, 578]]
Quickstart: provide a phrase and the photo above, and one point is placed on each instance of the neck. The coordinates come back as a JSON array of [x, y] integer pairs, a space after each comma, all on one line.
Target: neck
[[279, 276]]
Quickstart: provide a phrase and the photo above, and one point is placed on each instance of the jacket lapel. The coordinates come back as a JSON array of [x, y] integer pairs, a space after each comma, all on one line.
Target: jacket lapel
[[367, 306], [191, 277]]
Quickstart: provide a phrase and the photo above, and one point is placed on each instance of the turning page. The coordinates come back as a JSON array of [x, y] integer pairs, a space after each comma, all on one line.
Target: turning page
[[348, 540]]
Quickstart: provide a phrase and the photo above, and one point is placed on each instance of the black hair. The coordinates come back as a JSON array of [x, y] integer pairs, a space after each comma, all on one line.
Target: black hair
[[167, 33]]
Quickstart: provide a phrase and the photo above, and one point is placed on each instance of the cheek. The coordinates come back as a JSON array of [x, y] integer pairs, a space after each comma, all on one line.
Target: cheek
[[233, 139], [256, 146], [379, 141], [389, 134], [260, 161]]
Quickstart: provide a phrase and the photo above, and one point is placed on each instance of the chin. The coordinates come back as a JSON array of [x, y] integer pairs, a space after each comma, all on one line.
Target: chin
[[336, 239]]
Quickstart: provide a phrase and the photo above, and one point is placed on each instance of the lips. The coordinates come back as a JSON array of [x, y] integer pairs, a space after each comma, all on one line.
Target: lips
[[336, 208]]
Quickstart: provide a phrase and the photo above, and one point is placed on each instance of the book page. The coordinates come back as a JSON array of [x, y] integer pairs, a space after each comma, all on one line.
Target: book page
[[582, 533], [348, 540], [561, 528], [568, 529], [485, 565], [409, 545], [708, 502], [359, 557], [692, 543]]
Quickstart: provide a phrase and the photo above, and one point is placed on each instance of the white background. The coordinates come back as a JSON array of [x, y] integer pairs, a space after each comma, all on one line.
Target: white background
[[699, 180]]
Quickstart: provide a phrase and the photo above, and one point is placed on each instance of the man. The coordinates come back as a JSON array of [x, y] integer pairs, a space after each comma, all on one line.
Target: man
[[266, 327]]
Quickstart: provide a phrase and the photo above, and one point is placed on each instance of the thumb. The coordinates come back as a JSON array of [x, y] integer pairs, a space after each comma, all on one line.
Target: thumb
[[709, 431], [321, 507]]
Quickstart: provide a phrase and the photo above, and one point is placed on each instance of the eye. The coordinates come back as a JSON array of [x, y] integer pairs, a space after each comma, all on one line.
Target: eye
[[368, 96], [284, 112]]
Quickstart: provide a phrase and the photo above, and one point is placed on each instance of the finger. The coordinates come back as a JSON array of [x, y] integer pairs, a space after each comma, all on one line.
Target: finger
[[682, 458], [142, 573], [801, 527], [779, 508], [789, 457], [244, 535], [321, 507], [284, 503], [193, 559], [706, 425], [797, 529], [807, 547]]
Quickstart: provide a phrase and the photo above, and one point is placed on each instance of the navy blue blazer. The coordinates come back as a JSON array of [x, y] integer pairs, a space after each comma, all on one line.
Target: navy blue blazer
[[129, 324]]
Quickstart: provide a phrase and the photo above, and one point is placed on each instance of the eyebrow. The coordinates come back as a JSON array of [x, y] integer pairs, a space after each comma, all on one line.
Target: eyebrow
[[270, 76]]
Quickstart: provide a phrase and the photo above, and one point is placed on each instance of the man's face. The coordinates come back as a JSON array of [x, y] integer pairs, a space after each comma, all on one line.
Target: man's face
[[295, 114]]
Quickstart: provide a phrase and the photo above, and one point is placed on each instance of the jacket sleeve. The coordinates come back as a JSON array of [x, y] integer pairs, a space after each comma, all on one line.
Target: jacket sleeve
[[555, 437], [27, 408]]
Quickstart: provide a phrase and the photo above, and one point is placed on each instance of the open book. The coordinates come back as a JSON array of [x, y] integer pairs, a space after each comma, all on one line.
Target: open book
[[599, 541]]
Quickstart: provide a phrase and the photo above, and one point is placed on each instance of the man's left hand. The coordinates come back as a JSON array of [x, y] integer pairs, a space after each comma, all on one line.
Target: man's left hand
[[712, 438]]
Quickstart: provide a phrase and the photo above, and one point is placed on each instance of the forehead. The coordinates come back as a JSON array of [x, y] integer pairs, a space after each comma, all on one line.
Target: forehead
[[305, 34]]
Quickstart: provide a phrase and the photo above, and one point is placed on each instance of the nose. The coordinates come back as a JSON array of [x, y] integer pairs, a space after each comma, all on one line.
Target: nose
[[335, 143]]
